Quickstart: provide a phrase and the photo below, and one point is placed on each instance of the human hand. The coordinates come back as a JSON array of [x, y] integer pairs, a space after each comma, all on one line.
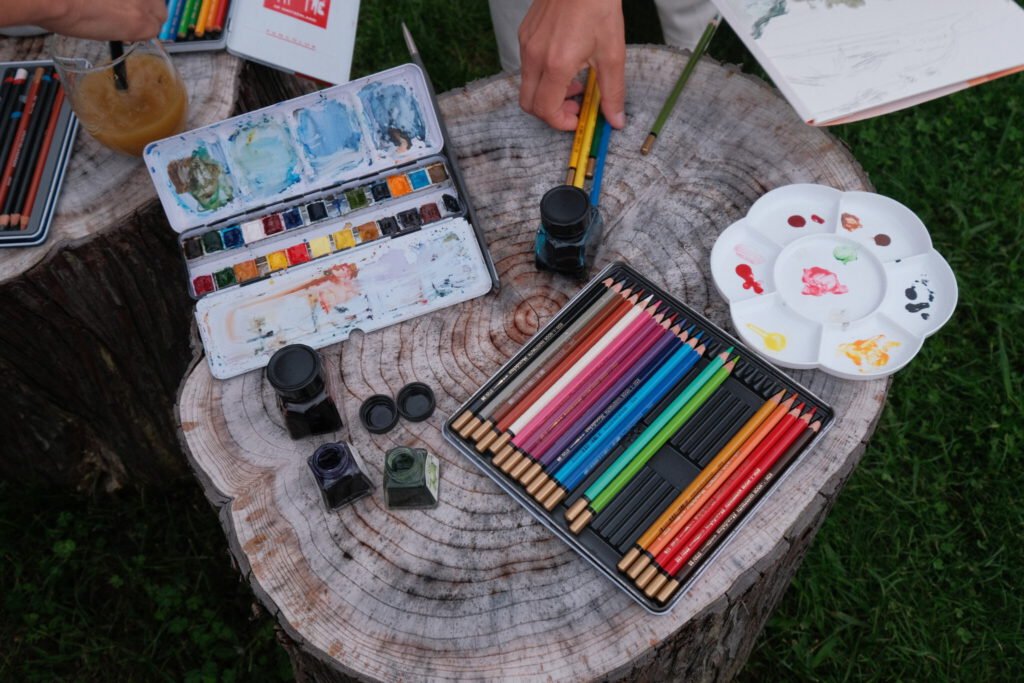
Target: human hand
[[98, 19], [558, 38]]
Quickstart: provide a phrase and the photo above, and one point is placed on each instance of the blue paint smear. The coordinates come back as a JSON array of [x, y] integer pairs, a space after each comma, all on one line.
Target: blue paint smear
[[393, 115], [330, 136], [264, 158], [419, 179]]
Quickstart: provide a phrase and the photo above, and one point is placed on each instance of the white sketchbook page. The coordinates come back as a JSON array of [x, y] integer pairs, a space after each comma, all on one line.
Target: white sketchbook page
[[835, 59], [264, 34]]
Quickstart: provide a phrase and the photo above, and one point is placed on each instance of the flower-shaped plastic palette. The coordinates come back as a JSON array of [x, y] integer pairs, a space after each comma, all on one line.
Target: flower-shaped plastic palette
[[843, 281]]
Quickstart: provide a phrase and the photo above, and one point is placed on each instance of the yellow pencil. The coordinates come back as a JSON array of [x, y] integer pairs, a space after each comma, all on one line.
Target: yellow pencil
[[588, 138], [577, 141], [204, 17]]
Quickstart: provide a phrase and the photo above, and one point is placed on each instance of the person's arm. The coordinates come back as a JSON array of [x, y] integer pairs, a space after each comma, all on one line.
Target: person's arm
[[97, 19], [557, 39]]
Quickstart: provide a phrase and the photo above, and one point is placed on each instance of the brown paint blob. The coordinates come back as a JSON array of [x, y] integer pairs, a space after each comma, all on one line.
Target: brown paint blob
[[797, 221], [883, 240]]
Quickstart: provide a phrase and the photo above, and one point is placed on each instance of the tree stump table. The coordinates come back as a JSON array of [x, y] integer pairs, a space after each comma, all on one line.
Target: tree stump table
[[96, 319], [476, 588]]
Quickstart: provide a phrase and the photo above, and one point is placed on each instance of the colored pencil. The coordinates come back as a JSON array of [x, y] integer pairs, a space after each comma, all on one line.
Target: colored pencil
[[186, 16], [670, 101], [591, 366], [602, 155], [599, 133], [172, 9], [610, 385], [766, 433], [588, 391], [193, 19], [533, 408], [7, 96], [581, 125], [18, 140], [588, 138], [721, 506], [10, 116], [723, 529], [596, 415], [712, 468], [552, 341], [581, 463], [222, 11], [10, 215], [507, 414], [513, 403], [681, 531], [204, 18], [632, 460], [44, 153]]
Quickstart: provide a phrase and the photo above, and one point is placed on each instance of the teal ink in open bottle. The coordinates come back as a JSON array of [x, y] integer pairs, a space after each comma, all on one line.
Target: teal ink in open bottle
[[411, 478], [570, 229]]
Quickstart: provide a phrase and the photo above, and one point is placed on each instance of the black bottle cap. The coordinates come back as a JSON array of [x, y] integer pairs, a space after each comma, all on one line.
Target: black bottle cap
[[565, 211], [378, 414], [295, 372], [416, 402]]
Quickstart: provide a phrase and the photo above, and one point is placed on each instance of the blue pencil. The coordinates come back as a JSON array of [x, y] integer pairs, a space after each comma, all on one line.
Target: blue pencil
[[174, 10], [602, 153], [583, 461]]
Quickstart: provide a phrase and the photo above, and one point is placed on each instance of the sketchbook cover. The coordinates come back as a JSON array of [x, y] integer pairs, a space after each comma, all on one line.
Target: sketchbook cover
[[313, 38], [838, 61]]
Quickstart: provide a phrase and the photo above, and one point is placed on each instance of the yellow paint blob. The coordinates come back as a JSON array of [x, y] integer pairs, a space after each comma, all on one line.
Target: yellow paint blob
[[277, 260], [321, 246], [773, 341], [344, 239]]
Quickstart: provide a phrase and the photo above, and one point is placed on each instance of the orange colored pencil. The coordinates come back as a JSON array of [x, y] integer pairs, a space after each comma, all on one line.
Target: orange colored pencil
[[19, 135], [37, 175]]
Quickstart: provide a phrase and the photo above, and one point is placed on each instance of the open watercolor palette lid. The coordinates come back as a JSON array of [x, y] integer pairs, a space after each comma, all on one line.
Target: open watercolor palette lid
[[847, 282], [270, 156]]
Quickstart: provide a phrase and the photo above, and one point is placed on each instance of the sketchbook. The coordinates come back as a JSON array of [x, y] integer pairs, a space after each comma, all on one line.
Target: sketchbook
[[839, 61]]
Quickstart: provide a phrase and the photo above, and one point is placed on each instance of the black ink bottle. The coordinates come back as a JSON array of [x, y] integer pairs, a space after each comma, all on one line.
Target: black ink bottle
[[570, 229], [335, 467], [297, 375]]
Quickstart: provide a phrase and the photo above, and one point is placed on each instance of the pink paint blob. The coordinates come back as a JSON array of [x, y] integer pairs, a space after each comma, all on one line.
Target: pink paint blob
[[747, 273], [748, 253], [817, 219], [797, 221], [818, 282]]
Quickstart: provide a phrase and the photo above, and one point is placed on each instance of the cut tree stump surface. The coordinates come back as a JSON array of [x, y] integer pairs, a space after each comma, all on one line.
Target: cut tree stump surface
[[476, 588]]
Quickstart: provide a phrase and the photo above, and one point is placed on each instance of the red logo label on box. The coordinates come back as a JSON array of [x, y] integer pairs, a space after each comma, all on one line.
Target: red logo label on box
[[312, 11]]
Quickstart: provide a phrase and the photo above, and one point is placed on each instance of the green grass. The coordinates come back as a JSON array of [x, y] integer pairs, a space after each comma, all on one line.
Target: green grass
[[915, 575]]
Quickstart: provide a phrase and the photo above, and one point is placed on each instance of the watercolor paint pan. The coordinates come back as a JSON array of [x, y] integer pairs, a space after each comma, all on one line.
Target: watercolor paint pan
[[262, 203], [37, 229], [618, 526]]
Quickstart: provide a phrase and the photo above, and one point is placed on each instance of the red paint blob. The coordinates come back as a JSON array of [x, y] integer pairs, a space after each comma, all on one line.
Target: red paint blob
[[747, 273], [817, 219], [883, 240], [797, 221], [202, 285]]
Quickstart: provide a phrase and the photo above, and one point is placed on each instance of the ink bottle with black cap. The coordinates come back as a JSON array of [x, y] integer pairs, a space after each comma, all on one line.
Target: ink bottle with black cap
[[570, 229], [297, 375]]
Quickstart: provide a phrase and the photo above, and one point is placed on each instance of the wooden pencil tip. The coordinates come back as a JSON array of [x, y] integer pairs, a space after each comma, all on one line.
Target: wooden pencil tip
[[645, 148], [520, 468], [555, 498], [576, 508], [511, 461], [483, 430], [628, 559], [777, 398], [668, 591], [531, 473], [581, 522], [537, 482], [654, 586], [639, 566], [500, 441], [461, 421], [816, 426], [501, 456], [483, 443], [570, 176], [645, 577]]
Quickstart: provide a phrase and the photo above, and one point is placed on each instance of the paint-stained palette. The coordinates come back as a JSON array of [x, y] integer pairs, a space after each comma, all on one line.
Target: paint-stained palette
[[847, 282]]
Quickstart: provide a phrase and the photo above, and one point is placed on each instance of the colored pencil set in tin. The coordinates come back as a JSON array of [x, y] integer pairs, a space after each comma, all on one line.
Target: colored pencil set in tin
[[638, 431], [36, 132]]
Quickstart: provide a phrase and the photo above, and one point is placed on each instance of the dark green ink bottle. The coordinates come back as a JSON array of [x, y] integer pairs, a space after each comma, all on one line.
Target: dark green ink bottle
[[411, 477]]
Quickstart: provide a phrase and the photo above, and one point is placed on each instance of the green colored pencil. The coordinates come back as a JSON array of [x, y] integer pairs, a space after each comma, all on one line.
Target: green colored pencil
[[595, 145], [670, 101]]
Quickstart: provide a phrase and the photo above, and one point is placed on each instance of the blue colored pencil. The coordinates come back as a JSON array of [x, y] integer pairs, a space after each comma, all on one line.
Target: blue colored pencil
[[595, 449], [602, 154], [172, 9]]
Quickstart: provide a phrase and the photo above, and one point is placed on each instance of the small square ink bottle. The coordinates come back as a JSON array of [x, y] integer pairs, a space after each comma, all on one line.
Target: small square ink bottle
[[410, 478], [336, 468], [297, 375], [570, 229]]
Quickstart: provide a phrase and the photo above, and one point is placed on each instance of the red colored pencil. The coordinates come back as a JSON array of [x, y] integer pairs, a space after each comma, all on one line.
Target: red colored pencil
[[222, 12], [23, 169], [689, 540], [44, 152], [19, 136]]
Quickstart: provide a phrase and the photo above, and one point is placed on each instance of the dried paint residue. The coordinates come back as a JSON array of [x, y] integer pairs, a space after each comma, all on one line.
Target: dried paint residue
[[203, 177], [330, 135], [868, 353], [773, 341], [845, 253], [747, 273], [264, 157], [818, 282], [748, 254], [394, 115], [850, 222], [919, 306]]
